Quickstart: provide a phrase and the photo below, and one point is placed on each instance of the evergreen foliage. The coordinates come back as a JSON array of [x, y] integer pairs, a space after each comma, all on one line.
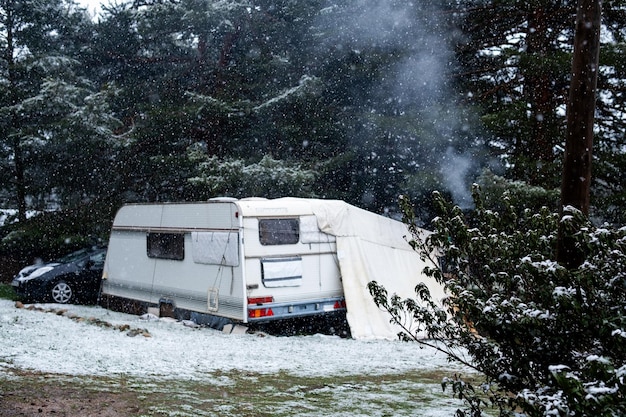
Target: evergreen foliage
[[233, 177], [516, 60], [548, 340], [49, 235], [55, 125], [370, 93], [519, 194], [370, 98]]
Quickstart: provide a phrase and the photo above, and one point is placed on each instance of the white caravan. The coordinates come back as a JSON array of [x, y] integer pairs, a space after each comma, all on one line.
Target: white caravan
[[256, 260]]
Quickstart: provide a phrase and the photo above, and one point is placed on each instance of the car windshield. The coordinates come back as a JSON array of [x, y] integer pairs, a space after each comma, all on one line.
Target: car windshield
[[74, 256]]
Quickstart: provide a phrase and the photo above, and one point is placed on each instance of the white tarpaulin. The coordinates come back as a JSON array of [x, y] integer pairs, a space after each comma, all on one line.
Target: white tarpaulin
[[217, 248], [372, 248]]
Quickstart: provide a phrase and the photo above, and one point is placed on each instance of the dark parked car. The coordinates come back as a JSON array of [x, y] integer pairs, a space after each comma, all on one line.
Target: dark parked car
[[75, 278]]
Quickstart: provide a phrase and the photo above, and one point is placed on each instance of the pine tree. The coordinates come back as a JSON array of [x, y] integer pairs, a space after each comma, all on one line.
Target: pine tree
[[47, 111], [516, 58]]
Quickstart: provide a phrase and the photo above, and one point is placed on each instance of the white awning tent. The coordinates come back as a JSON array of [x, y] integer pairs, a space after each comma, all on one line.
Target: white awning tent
[[371, 247]]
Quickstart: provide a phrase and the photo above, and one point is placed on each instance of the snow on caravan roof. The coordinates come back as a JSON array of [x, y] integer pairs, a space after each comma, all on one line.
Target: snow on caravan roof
[[207, 214], [286, 206], [200, 215], [334, 217]]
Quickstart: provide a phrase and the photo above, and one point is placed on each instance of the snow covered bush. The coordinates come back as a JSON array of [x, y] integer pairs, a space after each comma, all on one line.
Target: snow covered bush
[[549, 341], [235, 177]]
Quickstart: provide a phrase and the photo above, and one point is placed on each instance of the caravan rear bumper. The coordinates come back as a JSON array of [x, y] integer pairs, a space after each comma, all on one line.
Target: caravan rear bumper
[[262, 312]]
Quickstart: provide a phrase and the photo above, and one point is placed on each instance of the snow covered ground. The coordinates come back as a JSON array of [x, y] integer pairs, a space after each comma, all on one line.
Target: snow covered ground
[[86, 341], [50, 342]]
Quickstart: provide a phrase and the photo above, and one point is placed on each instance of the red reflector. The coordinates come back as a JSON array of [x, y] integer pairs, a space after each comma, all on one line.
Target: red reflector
[[340, 304], [260, 312], [260, 300]]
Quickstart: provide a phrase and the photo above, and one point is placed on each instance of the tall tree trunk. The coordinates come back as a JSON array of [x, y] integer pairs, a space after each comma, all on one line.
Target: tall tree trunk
[[14, 143], [541, 96], [580, 117]]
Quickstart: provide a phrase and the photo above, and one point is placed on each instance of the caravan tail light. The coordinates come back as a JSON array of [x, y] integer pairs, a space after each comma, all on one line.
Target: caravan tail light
[[260, 312], [254, 313], [260, 300], [339, 304]]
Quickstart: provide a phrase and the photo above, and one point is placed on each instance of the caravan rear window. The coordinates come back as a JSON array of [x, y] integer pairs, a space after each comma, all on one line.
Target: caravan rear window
[[166, 245], [279, 231]]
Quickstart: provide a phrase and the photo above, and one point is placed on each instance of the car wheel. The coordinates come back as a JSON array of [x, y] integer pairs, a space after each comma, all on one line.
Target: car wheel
[[61, 292]]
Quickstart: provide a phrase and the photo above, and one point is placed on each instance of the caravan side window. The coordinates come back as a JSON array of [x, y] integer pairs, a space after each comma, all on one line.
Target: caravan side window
[[166, 245], [279, 231]]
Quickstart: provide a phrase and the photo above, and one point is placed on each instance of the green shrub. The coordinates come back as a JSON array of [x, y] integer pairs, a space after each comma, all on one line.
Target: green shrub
[[7, 293], [549, 341], [49, 235]]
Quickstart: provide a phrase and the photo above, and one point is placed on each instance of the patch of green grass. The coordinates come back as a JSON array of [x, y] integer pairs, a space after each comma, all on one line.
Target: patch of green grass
[[6, 292], [249, 394], [283, 394]]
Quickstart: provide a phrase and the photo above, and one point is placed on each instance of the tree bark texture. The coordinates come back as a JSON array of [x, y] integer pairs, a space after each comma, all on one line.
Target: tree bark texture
[[12, 137], [580, 119]]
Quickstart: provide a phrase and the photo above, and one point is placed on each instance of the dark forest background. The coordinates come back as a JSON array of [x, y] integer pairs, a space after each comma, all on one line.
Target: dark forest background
[[184, 100]]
